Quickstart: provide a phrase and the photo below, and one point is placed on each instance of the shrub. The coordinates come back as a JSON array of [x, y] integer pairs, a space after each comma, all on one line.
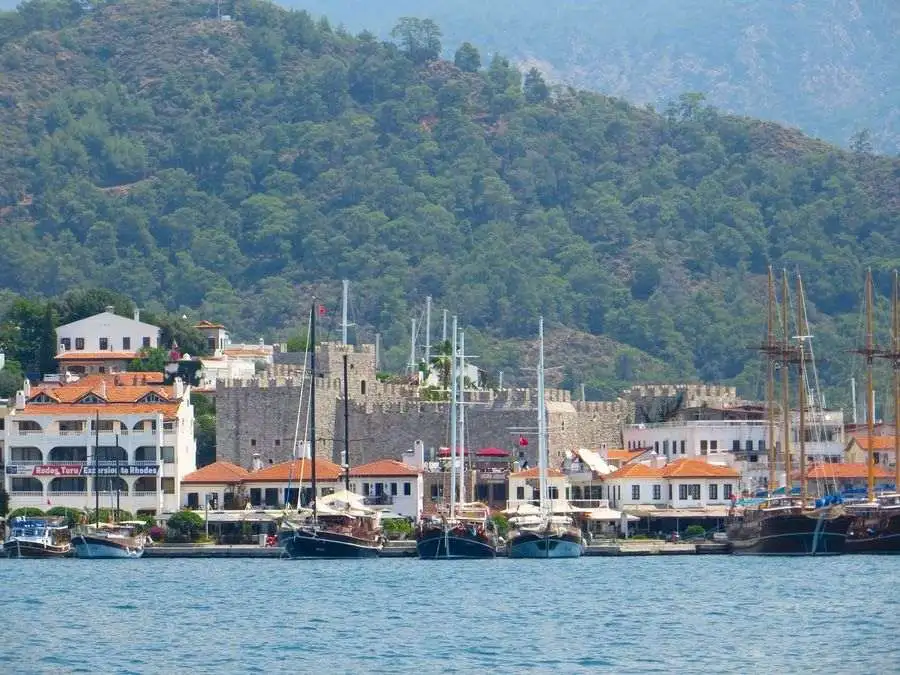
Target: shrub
[[72, 516], [695, 531], [396, 528], [184, 526], [108, 516], [501, 522], [25, 511]]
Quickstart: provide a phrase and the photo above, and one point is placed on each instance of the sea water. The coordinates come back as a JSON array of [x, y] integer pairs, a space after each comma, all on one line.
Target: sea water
[[693, 614]]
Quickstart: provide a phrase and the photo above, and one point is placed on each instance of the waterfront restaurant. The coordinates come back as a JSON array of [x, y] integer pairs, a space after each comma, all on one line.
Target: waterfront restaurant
[[146, 443]]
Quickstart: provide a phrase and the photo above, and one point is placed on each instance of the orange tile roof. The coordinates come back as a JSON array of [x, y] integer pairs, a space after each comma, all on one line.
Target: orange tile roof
[[70, 393], [121, 379], [828, 471], [96, 356], [217, 472], [635, 470], [169, 409], [697, 468], [878, 442], [207, 324], [622, 455], [534, 471], [296, 470], [383, 467]]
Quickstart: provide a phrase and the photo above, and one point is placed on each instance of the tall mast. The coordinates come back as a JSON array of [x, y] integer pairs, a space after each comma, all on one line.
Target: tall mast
[[801, 388], [444, 328], [412, 347], [345, 284], [97, 469], [870, 404], [428, 332], [453, 421], [771, 351], [346, 429], [895, 359], [462, 416], [312, 409], [785, 387], [542, 441]]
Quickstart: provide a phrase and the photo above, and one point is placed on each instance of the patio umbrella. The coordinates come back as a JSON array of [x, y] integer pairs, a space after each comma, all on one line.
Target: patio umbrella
[[492, 452]]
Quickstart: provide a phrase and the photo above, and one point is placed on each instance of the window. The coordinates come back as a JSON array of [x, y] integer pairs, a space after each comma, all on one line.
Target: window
[[670, 492], [79, 343], [657, 492], [101, 369], [748, 446], [393, 489], [277, 442], [105, 425], [104, 344], [365, 489], [271, 497], [754, 458], [146, 342], [168, 486], [66, 344], [636, 492], [691, 491], [736, 445], [761, 446], [126, 344], [656, 446], [325, 491], [168, 454], [713, 445], [407, 489], [92, 398], [726, 491], [362, 387], [255, 496], [682, 447], [713, 491], [665, 447], [520, 492], [193, 500], [434, 491], [703, 447], [252, 442], [553, 492]]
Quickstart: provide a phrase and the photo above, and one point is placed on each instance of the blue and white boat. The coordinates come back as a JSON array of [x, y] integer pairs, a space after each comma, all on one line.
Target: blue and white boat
[[538, 532]]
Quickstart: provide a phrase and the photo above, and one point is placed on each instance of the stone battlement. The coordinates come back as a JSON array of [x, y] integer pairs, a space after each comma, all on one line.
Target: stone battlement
[[690, 391]]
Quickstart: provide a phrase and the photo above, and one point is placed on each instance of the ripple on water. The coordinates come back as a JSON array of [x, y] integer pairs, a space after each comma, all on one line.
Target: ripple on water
[[408, 616]]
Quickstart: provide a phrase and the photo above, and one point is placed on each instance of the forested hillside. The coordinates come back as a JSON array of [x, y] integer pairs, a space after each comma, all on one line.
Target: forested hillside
[[828, 67], [225, 170]]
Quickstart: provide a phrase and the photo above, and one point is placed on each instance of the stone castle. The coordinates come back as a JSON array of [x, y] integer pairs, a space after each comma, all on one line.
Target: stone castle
[[260, 416]]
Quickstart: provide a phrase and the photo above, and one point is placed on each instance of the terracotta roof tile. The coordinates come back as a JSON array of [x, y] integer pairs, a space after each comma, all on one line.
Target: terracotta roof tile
[[878, 442], [207, 324], [95, 356], [534, 471], [169, 410], [828, 471], [217, 472], [70, 393], [697, 468], [622, 455], [384, 467], [296, 470], [635, 470]]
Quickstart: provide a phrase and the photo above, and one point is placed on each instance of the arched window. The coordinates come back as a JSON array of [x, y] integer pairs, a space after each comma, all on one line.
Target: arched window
[[111, 484], [65, 453], [29, 484], [68, 484], [27, 455], [362, 387]]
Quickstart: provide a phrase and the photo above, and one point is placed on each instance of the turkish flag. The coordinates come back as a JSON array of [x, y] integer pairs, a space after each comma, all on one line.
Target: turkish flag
[[523, 441], [321, 310]]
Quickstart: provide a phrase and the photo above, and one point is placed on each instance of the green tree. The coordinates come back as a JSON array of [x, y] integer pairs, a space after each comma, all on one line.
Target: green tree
[[4, 502], [11, 379], [467, 58], [204, 428], [420, 39], [535, 89], [150, 360], [184, 526]]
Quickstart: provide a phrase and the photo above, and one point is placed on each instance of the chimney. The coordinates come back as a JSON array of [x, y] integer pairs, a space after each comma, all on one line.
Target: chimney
[[179, 388], [20, 400], [419, 454], [137, 314], [257, 462]]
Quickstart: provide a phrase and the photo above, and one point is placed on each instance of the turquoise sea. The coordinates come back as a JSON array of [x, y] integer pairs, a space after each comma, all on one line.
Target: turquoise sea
[[715, 614]]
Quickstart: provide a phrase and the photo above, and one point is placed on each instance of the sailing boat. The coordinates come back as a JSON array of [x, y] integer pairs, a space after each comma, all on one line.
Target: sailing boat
[[876, 526], [462, 530], [543, 535], [341, 526], [106, 540], [785, 524]]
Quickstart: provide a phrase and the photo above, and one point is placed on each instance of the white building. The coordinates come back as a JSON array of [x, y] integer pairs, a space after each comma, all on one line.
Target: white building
[[103, 343], [146, 443], [524, 486], [683, 484], [740, 444], [389, 483], [217, 338]]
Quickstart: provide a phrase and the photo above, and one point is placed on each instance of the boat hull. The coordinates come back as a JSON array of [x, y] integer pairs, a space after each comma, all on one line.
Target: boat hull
[[791, 534], [436, 544], [98, 547], [545, 545], [30, 549], [323, 544], [876, 533]]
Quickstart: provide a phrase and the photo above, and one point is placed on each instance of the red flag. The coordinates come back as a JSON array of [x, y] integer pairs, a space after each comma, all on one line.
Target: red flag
[[523, 441], [321, 310]]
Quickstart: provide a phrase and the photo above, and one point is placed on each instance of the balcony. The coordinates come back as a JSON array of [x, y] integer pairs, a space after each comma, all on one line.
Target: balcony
[[378, 500], [26, 493]]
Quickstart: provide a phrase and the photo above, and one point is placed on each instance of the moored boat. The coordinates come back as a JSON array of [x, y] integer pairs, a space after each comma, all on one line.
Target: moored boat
[[470, 533], [786, 526], [38, 537], [876, 526], [108, 541]]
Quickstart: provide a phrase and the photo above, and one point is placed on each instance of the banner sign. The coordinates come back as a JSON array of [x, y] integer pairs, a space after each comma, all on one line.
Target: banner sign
[[73, 470]]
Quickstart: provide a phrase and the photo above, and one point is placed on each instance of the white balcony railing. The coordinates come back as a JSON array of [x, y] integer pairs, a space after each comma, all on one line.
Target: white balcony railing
[[68, 493], [26, 493]]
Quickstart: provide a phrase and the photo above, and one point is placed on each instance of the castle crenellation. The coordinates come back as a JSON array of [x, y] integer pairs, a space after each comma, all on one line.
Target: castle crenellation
[[259, 416]]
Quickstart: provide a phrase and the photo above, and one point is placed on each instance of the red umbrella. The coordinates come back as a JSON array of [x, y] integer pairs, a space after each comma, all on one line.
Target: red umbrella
[[492, 452], [445, 452]]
